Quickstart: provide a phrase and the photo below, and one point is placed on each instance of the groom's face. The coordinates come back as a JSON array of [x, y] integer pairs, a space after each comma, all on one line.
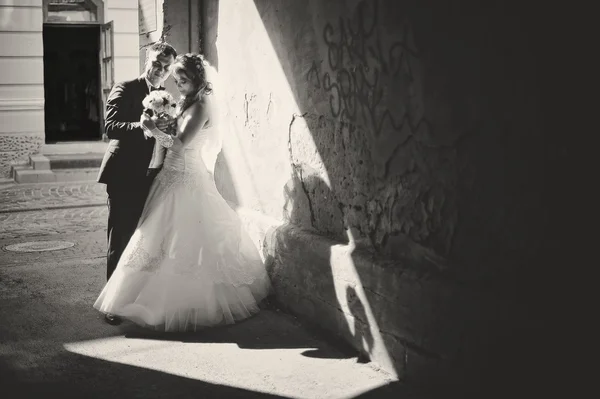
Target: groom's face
[[158, 67]]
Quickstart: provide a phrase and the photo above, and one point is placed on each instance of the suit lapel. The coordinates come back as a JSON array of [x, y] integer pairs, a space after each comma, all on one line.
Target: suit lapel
[[143, 85]]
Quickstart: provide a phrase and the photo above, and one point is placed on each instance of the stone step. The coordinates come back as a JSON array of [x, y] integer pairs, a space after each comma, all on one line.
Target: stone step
[[78, 174], [6, 181], [39, 162], [15, 168], [34, 176], [69, 161], [74, 148], [61, 163], [56, 175]]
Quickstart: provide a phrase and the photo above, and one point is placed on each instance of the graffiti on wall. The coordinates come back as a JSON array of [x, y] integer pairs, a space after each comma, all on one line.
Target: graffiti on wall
[[368, 81], [372, 79]]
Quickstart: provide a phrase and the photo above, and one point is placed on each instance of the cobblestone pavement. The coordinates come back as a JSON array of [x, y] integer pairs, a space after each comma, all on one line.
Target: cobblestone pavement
[[53, 221], [73, 211], [19, 197]]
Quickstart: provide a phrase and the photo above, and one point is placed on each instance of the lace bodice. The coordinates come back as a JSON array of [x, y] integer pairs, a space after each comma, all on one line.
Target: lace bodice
[[198, 156]]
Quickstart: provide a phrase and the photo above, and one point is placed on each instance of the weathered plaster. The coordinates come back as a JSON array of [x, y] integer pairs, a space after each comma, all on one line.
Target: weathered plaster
[[406, 131]]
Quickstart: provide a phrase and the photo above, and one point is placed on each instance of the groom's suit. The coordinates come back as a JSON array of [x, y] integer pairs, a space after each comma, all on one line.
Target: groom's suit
[[124, 168]]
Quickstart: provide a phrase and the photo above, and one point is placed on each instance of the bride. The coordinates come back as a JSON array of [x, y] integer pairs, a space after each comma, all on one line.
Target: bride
[[189, 264]]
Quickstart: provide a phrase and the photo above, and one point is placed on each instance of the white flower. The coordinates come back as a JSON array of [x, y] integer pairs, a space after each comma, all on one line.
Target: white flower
[[159, 104]]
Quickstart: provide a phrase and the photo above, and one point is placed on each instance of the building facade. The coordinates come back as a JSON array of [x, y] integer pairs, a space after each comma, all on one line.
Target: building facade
[[59, 60]]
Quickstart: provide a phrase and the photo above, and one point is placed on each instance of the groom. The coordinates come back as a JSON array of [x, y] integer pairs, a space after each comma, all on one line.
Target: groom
[[125, 167]]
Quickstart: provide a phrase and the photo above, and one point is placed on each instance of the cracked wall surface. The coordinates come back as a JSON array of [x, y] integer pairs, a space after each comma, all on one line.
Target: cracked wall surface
[[409, 129], [375, 122]]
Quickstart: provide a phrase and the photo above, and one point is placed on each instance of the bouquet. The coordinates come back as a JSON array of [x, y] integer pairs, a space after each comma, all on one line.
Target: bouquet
[[160, 104]]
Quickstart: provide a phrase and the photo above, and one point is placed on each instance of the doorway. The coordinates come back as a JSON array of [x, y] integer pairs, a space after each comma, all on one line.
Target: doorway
[[72, 83]]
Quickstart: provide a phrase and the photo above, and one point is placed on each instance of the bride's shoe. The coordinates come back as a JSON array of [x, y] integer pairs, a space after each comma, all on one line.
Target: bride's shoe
[[112, 319]]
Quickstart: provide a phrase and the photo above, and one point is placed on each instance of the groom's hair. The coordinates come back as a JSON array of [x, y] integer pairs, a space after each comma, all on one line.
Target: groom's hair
[[163, 49]]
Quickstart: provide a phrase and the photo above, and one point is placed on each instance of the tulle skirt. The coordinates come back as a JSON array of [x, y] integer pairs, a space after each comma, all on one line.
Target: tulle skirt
[[189, 264]]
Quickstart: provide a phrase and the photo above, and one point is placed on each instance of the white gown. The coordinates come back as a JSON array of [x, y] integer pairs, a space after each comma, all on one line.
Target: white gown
[[189, 264]]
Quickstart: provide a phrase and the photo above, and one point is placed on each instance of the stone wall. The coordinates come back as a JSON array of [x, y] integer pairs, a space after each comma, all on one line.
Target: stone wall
[[15, 149], [399, 145], [21, 82]]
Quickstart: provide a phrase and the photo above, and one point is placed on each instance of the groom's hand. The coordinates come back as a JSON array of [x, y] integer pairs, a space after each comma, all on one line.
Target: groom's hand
[[147, 124]]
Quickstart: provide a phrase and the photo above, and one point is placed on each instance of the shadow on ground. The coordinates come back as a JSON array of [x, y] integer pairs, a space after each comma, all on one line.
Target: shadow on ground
[[263, 331], [93, 378]]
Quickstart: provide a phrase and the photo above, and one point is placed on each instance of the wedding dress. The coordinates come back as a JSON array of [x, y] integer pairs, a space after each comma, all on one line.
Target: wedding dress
[[190, 264]]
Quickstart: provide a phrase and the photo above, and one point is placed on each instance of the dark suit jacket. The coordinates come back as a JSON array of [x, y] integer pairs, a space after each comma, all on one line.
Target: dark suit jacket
[[128, 155]]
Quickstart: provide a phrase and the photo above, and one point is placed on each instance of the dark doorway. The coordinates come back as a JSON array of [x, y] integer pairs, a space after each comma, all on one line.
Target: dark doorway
[[71, 83]]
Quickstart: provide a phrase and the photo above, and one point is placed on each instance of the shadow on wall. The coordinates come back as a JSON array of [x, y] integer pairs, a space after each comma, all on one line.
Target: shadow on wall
[[208, 47], [358, 312], [426, 119], [302, 213], [210, 29], [326, 303], [224, 181]]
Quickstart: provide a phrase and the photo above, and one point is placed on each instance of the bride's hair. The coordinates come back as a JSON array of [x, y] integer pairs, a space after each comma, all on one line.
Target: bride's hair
[[194, 67]]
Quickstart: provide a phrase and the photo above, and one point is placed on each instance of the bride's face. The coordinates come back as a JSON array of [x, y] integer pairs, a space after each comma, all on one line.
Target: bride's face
[[184, 84]]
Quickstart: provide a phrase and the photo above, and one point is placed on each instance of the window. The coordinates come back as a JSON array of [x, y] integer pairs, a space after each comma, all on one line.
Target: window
[[60, 11]]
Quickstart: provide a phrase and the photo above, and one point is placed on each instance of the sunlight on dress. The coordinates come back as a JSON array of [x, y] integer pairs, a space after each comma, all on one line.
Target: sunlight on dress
[[190, 264]]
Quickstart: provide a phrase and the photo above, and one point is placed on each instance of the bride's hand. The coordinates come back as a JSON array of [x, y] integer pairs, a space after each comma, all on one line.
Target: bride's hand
[[166, 125], [177, 144], [147, 122]]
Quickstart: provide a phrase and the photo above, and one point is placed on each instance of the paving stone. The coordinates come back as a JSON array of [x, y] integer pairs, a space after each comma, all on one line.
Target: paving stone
[[21, 197]]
